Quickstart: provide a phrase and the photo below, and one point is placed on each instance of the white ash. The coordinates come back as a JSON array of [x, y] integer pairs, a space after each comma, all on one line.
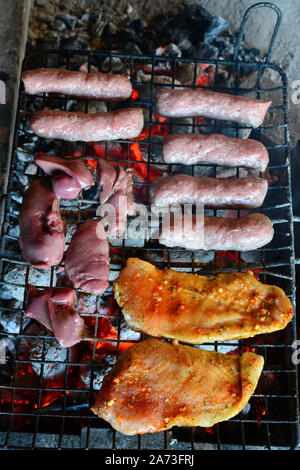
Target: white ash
[[70, 230], [225, 347], [23, 155], [86, 303], [15, 274], [97, 368], [52, 352], [31, 169], [11, 321], [126, 333]]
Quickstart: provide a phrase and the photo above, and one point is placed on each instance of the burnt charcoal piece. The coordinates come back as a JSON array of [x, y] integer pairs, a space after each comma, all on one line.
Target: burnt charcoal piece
[[206, 51], [71, 44], [160, 22], [217, 25], [58, 25], [132, 48], [126, 35], [69, 20], [138, 26]]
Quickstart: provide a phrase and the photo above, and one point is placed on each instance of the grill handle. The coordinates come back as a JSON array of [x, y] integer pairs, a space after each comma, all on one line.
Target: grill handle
[[4, 107], [244, 22], [296, 218]]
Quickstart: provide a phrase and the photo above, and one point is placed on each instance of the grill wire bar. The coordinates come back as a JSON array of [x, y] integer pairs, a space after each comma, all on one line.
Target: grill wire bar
[[272, 421]]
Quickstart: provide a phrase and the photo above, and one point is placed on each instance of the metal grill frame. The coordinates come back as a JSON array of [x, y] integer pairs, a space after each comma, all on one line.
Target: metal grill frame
[[277, 264]]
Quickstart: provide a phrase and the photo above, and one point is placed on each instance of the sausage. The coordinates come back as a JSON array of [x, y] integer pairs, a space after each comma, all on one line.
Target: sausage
[[211, 104], [246, 193], [96, 86], [190, 149], [217, 233], [125, 123], [42, 239]]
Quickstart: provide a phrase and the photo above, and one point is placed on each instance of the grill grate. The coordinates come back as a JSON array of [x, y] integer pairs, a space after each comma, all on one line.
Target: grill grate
[[62, 408]]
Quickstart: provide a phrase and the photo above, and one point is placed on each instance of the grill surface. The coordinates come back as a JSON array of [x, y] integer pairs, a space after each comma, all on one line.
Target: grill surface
[[272, 419]]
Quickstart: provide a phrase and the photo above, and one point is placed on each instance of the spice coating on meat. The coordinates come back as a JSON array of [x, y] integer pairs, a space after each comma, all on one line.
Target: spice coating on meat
[[87, 258], [218, 149], [211, 104], [54, 308], [125, 123], [156, 385], [196, 309], [246, 193], [245, 233], [69, 176], [42, 239], [96, 86]]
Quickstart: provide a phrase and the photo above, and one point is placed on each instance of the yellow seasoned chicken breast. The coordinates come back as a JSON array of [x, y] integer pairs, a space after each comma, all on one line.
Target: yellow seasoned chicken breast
[[155, 385], [196, 309]]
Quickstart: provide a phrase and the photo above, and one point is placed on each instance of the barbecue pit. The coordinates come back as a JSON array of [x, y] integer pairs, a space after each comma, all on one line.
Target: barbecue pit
[[44, 389]]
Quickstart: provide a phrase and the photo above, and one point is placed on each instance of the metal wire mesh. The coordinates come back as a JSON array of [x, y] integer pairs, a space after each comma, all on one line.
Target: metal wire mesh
[[61, 407]]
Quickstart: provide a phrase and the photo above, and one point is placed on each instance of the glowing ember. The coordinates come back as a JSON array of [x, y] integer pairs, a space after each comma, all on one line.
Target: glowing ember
[[134, 95], [202, 81]]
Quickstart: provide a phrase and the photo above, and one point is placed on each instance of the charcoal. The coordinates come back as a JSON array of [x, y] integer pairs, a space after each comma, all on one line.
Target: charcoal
[[48, 42], [173, 50], [52, 352], [11, 320], [254, 53], [69, 20], [86, 303], [85, 17], [196, 11], [23, 179], [58, 25], [126, 35], [109, 31], [126, 333], [99, 366], [160, 21], [138, 26], [96, 26], [15, 275], [71, 44], [13, 230], [31, 169], [207, 51], [217, 25], [185, 45], [133, 49], [187, 72], [114, 64], [5, 292], [16, 196]]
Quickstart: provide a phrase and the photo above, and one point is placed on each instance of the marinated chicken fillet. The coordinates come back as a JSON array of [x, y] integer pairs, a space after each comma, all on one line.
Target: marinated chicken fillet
[[218, 149], [246, 193], [125, 123], [211, 104], [96, 86], [197, 309], [156, 385], [197, 232]]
